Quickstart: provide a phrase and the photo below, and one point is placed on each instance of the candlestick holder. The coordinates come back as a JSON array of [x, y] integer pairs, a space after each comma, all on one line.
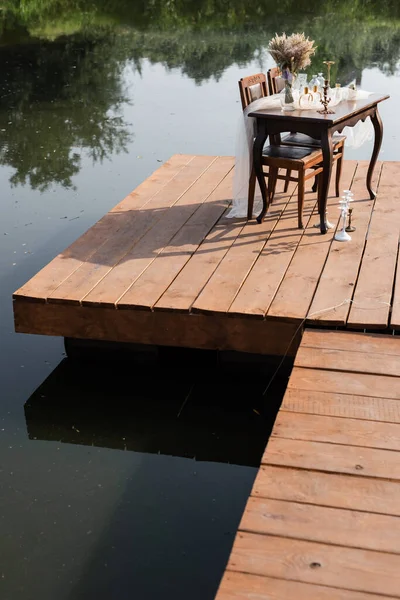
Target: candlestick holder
[[342, 235], [325, 101], [328, 64], [344, 206], [350, 227]]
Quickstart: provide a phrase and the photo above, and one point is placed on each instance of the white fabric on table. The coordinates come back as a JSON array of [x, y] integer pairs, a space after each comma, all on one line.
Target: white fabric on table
[[355, 137]]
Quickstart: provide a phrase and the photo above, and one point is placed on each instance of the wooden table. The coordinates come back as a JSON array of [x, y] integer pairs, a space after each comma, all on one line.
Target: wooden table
[[320, 127]]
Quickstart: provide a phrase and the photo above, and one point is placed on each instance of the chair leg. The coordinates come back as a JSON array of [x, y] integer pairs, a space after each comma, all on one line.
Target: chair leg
[[287, 181], [315, 184], [252, 190], [338, 174], [300, 202], [272, 179]]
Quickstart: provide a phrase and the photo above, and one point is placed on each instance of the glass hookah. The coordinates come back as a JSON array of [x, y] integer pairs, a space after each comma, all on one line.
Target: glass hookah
[[344, 207]]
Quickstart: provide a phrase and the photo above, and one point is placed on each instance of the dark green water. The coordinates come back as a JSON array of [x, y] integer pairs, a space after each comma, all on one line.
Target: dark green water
[[104, 492]]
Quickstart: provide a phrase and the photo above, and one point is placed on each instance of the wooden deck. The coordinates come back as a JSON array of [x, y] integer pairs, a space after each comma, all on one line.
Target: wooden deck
[[323, 519], [180, 273], [166, 267]]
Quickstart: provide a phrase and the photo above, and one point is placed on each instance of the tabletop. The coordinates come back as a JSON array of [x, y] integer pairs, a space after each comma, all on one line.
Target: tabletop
[[343, 110]]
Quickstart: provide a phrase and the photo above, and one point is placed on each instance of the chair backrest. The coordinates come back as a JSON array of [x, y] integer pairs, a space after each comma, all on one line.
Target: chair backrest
[[275, 82], [252, 88]]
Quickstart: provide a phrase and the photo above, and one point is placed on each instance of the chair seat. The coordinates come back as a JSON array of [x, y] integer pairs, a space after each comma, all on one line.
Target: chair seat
[[288, 152], [301, 139]]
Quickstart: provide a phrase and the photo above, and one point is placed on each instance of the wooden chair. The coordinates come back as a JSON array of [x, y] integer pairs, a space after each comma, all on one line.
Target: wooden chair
[[252, 88], [305, 160], [275, 82]]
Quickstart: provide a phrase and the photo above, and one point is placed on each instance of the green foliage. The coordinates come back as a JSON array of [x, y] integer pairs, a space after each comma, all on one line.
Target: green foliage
[[61, 86], [57, 99]]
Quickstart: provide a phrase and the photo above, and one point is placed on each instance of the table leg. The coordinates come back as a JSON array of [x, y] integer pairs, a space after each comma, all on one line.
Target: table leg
[[258, 146], [327, 159], [378, 128]]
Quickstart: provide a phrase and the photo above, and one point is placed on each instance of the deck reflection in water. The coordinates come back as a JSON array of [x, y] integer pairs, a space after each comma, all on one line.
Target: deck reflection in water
[[198, 429]]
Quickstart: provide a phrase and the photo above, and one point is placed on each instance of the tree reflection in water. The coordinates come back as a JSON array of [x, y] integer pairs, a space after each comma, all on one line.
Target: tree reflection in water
[[62, 85]]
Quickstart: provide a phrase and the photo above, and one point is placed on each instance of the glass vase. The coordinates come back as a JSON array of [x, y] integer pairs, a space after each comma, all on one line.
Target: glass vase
[[286, 97]]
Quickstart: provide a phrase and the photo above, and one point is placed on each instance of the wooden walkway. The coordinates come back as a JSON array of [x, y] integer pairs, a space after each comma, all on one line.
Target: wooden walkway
[[180, 273], [323, 519], [167, 267]]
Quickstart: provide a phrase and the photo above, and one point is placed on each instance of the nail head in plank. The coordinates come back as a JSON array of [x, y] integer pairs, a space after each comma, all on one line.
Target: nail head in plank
[[321, 564], [333, 458], [350, 528], [328, 489]]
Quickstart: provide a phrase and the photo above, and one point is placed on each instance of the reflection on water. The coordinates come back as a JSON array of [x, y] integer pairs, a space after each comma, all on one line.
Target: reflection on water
[[166, 527], [223, 420], [56, 98], [104, 490], [63, 82]]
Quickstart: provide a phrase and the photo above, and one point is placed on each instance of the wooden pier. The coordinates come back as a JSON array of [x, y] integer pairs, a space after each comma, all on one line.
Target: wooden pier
[[166, 267], [323, 519]]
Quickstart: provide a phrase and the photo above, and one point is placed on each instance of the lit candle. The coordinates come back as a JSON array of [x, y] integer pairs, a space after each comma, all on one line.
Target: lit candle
[[329, 63]]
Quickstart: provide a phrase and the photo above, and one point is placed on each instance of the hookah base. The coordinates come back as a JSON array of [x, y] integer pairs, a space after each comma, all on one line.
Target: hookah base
[[342, 236]]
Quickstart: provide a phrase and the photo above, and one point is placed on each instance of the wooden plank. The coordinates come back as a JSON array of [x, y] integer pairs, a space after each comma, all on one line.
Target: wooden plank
[[352, 341], [295, 294], [395, 314], [328, 489], [225, 282], [333, 458], [322, 564], [191, 280], [351, 362], [339, 276], [136, 225], [360, 384], [259, 289], [373, 293], [50, 277], [350, 528], [336, 430], [341, 405], [150, 286], [243, 586], [112, 287], [158, 328]]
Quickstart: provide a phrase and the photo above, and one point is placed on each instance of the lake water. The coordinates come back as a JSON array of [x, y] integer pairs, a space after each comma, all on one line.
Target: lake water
[[114, 485]]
